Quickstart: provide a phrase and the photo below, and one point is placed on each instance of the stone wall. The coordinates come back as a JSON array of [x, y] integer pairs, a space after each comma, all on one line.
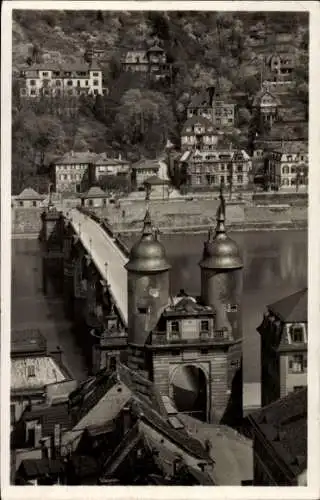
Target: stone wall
[[26, 221], [280, 198]]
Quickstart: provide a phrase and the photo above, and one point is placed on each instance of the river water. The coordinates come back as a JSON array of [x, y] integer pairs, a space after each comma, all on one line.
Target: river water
[[275, 265]]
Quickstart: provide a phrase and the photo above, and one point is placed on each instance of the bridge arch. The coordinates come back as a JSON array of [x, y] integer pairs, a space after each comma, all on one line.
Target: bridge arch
[[189, 389]]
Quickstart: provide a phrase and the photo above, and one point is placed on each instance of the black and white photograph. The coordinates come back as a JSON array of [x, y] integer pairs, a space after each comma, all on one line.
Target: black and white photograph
[[159, 201]]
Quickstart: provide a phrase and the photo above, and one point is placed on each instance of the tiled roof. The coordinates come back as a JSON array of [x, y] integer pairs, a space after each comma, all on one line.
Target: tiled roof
[[29, 194], [27, 341], [95, 192], [292, 309], [35, 468], [154, 180], [128, 443], [146, 164], [194, 120], [284, 425], [76, 158], [258, 97], [45, 368], [292, 147], [49, 416], [54, 66]]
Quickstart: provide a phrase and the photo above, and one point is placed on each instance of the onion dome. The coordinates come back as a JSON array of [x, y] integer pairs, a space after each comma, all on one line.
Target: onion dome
[[220, 251], [148, 254]]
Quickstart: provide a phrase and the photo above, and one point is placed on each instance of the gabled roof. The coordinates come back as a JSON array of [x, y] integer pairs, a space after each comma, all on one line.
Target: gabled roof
[[284, 425], [292, 309], [146, 164], [95, 192], [45, 368], [35, 468], [29, 194], [194, 120], [259, 96], [187, 306], [27, 341], [49, 416]]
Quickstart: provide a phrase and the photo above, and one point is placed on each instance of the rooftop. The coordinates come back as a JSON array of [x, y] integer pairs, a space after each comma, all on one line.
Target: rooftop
[[54, 66], [29, 194], [33, 373], [197, 120], [292, 309], [284, 425], [146, 164], [95, 192], [27, 341], [187, 306]]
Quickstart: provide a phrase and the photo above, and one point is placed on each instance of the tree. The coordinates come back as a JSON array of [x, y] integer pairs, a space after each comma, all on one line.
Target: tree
[[117, 183], [244, 117]]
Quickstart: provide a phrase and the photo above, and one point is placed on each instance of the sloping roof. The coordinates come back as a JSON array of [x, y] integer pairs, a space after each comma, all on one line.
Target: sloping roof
[[284, 424], [73, 157], [154, 180], [29, 194], [259, 96], [27, 341], [54, 66], [292, 309], [45, 368], [49, 416], [146, 164], [292, 147], [95, 192], [194, 120], [34, 468]]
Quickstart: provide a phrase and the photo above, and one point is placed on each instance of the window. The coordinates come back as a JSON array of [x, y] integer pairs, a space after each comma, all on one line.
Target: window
[[297, 334], [175, 327], [297, 363], [204, 325], [95, 92], [32, 82], [297, 387], [142, 310], [31, 371], [239, 168], [90, 203], [198, 179], [58, 92], [69, 83], [34, 203], [78, 83], [240, 179], [87, 83], [95, 83], [222, 179], [45, 73], [113, 363], [20, 203], [32, 92], [95, 74], [285, 170], [231, 308]]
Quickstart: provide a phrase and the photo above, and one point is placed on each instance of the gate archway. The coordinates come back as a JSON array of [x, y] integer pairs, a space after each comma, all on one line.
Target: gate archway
[[189, 391]]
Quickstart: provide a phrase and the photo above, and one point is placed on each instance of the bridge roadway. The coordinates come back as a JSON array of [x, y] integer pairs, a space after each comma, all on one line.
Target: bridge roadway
[[107, 257]]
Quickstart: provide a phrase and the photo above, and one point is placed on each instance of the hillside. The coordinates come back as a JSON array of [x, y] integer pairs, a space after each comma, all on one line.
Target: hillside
[[203, 47]]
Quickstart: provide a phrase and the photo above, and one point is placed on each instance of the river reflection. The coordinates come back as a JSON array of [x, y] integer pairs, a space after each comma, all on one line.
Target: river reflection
[[275, 265]]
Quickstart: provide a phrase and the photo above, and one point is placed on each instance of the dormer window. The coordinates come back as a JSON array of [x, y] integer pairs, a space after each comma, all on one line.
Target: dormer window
[[31, 371], [174, 328], [204, 327], [297, 335]]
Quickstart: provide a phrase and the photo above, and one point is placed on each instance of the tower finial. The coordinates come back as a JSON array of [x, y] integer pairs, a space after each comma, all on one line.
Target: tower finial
[[147, 224], [221, 213]]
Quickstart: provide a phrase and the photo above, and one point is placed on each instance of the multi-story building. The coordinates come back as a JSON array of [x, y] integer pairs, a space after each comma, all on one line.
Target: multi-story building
[[151, 61], [279, 433], [142, 170], [199, 133], [60, 80], [284, 338], [219, 112], [288, 165], [208, 169], [267, 106], [77, 171]]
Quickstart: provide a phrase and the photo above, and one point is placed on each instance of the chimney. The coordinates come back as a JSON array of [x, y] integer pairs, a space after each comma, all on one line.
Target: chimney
[[120, 157], [126, 420], [37, 435]]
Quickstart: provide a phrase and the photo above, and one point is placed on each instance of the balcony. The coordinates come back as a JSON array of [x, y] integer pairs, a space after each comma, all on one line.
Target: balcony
[[217, 336]]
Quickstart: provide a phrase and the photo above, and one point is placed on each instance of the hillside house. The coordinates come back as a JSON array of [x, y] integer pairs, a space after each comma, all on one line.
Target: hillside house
[[198, 133], [151, 61], [267, 106], [28, 198], [288, 165], [213, 107], [111, 166], [208, 169], [141, 171], [60, 80], [281, 66]]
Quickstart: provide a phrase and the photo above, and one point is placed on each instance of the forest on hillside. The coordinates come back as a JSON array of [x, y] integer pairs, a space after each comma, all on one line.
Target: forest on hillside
[[135, 118]]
